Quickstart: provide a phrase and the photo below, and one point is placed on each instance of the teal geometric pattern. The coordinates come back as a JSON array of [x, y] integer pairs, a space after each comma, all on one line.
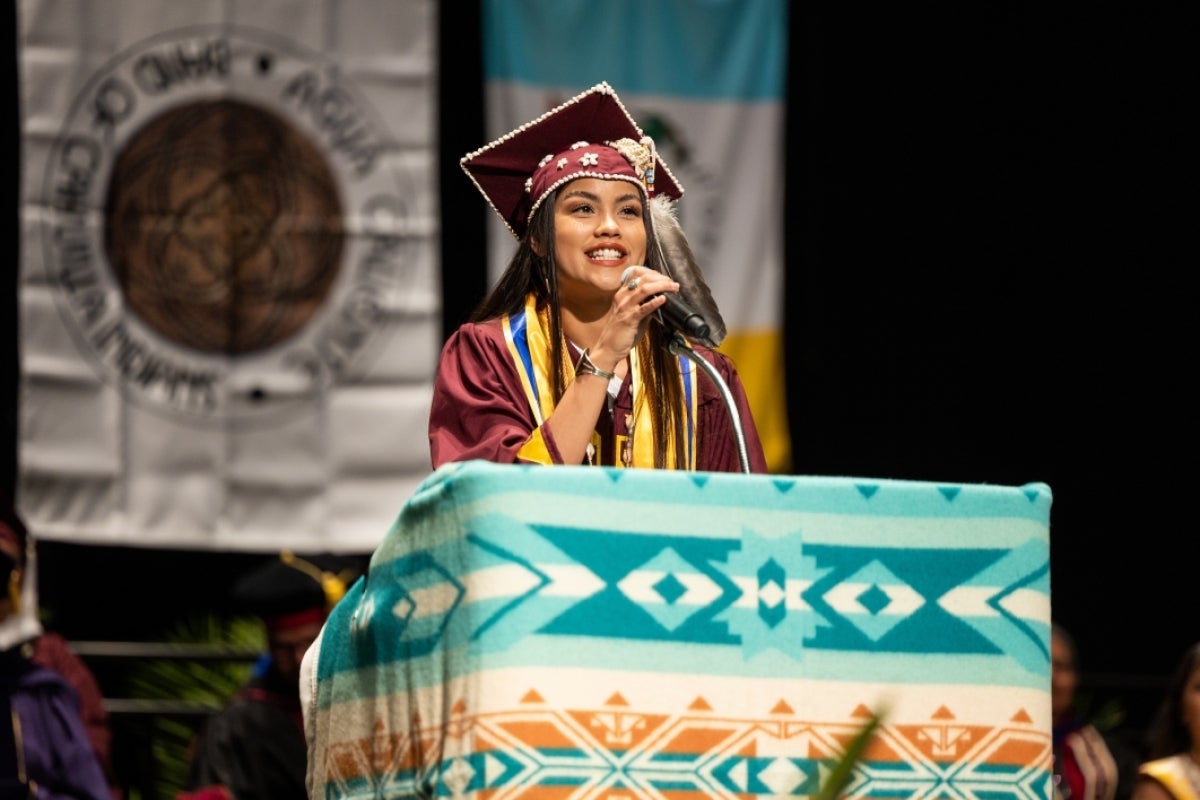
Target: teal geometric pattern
[[874, 600], [770, 610], [745, 582], [755, 593], [777, 605]]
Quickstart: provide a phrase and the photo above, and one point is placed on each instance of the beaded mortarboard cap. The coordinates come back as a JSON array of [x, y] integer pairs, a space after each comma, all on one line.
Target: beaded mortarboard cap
[[293, 590], [591, 135]]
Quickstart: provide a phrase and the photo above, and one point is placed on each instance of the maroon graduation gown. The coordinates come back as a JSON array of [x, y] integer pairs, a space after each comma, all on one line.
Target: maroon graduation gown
[[480, 411]]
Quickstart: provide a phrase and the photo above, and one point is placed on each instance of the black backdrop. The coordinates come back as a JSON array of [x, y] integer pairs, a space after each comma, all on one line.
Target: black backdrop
[[986, 282]]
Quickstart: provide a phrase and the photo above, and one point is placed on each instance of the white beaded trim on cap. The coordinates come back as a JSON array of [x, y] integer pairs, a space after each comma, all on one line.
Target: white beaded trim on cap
[[606, 176]]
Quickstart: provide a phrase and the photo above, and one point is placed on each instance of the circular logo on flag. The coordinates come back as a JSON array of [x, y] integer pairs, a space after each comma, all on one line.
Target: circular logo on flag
[[223, 227], [227, 229]]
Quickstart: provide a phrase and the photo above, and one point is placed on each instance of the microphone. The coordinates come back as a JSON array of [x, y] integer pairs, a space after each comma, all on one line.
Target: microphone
[[677, 315]]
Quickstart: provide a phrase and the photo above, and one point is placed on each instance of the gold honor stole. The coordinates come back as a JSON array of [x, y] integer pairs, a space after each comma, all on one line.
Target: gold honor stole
[[1171, 772], [526, 333]]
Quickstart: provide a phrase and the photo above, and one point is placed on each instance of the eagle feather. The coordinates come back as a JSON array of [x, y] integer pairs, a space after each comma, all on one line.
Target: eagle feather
[[680, 263]]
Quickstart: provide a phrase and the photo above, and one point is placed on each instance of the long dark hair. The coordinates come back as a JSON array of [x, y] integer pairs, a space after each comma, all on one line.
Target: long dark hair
[[528, 272], [1168, 733]]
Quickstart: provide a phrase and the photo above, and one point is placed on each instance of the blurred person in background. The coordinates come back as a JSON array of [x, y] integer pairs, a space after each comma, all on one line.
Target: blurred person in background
[[254, 747], [1172, 766], [1084, 766], [54, 738]]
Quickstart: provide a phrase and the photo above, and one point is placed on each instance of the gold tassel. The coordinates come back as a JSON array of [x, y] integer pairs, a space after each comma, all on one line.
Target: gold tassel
[[14, 590], [333, 585]]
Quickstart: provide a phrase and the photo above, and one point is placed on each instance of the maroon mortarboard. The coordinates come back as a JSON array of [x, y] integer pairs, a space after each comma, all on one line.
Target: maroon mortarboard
[[591, 135]]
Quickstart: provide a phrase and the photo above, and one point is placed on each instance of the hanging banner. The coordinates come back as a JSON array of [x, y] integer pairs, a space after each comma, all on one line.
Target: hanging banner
[[707, 81], [229, 297]]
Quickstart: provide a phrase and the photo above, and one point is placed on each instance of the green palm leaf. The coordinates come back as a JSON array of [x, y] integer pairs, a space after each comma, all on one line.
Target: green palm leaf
[[839, 775], [205, 683]]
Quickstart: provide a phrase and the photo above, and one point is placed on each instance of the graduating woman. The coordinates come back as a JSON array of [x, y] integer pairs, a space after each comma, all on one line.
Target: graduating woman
[[569, 359]]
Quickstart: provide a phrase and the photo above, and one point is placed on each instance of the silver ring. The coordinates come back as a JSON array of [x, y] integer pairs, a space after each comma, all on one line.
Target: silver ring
[[633, 284]]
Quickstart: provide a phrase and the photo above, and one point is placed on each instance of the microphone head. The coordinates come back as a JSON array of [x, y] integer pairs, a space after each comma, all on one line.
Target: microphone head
[[678, 317]]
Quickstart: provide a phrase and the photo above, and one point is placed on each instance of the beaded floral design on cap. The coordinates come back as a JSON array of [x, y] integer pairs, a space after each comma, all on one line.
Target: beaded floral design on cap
[[590, 135], [582, 160]]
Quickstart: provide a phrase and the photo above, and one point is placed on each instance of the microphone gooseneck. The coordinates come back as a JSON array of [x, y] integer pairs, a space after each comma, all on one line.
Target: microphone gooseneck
[[679, 347]]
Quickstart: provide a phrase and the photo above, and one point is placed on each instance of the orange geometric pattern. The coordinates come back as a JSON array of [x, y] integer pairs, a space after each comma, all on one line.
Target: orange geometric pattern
[[535, 752]]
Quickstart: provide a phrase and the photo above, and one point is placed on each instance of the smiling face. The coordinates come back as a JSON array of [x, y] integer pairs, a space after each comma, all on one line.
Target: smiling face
[[598, 232]]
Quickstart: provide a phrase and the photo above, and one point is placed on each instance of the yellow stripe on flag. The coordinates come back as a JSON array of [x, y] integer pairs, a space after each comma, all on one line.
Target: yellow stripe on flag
[[759, 359]]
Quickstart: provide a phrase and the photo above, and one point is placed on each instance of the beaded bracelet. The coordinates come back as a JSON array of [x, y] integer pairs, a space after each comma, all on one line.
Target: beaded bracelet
[[585, 367]]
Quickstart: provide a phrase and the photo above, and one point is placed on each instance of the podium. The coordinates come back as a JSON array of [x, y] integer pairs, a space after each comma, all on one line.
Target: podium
[[580, 632]]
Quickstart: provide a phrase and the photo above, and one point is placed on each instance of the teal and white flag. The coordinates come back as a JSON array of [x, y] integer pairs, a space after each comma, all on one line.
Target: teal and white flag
[[229, 297], [705, 79]]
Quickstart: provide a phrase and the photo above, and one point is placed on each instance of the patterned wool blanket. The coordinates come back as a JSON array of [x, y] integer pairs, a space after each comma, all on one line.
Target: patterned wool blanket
[[574, 632]]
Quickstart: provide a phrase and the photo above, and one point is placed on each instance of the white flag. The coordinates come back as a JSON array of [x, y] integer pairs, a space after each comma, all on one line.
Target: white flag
[[229, 288]]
